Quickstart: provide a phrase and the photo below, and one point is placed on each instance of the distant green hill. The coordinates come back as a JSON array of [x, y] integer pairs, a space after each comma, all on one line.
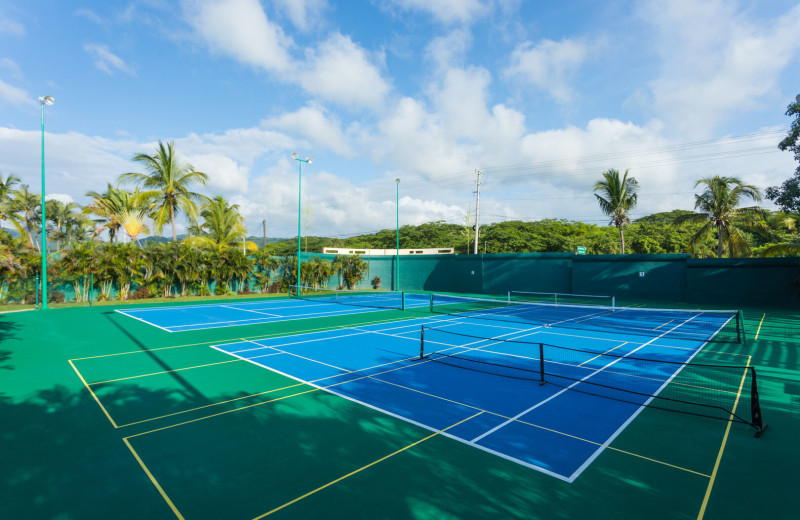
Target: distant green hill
[[665, 217]]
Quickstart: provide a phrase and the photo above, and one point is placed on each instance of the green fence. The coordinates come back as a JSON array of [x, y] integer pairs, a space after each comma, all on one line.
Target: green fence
[[771, 282]]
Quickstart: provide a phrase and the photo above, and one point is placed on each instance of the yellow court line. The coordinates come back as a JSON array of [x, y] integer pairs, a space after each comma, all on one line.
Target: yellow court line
[[604, 353], [93, 394], [545, 428], [142, 351], [247, 338], [721, 450], [165, 372], [365, 467], [154, 481], [315, 389], [759, 325], [210, 405]]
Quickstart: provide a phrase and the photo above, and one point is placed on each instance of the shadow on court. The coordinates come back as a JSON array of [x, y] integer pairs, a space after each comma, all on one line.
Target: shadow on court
[[189, 388]]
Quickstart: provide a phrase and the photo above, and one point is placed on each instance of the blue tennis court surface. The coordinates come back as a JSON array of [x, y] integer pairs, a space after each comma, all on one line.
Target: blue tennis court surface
[[197, 317], [555, 428]]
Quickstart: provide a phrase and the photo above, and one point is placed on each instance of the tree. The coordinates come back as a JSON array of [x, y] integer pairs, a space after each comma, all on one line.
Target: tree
[[619, 197], [222, 227], [170, 180], [787, 195], [719, 210], [119, 209], [29, 207], [65, 223], [6, 196]]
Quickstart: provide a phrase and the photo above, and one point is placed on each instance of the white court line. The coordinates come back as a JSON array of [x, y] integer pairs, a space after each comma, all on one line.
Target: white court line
[[253, 321], [359, 332], [586, 463], [614, 435], [143, 321], [328, 389], [302, 357], [250, 310]]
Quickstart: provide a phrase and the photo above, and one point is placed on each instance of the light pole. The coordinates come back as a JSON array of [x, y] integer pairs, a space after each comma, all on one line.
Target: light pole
[[46, 100], [397, 228], [300, 162]]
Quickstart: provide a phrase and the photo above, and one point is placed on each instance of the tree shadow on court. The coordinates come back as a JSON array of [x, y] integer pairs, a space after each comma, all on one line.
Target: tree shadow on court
[[7, 330], [196, 395], [62, 459]]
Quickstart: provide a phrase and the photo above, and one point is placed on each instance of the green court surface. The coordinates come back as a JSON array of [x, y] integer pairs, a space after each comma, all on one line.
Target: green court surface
[[105, 417]]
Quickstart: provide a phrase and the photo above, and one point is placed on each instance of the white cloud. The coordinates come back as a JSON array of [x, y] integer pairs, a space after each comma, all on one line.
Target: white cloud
[[549, 65], [450, 50], [107, 61], [717, 61], [14, 95], [314, 123], [337, 69], [445, 11], [223, 172], [61, 197], [342, 71], [240, 29], [304, 14], [90, 15], [10, 67], [9, 26]]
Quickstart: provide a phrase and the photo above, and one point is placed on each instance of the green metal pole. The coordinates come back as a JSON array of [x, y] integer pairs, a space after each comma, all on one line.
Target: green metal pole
[[300, 162], [299, 206], [44, 222], [397, 228]]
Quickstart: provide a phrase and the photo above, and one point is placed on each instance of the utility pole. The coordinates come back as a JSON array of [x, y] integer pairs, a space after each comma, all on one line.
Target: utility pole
[[477, 210]]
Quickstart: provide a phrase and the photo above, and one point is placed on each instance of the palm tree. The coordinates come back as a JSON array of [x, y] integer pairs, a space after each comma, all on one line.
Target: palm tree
[[6, 192], [29, 206], [170, 181], [222, 227], [115, 205], [66, 223], [619, 198], [719, 210]]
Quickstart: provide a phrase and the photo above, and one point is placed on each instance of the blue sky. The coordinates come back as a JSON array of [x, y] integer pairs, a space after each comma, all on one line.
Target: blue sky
[[542, 97]]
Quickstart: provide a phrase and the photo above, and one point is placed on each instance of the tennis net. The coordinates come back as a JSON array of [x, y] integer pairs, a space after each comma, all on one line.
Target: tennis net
[[687, 324], [375, 299], [557, 299], [729, 393]]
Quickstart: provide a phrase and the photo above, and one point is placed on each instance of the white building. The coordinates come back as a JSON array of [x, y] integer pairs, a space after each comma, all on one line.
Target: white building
[[386, 252]]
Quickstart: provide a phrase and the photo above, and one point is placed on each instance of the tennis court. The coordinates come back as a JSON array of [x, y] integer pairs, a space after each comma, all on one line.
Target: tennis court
[[484, 378], [324, 304], [446, 407]]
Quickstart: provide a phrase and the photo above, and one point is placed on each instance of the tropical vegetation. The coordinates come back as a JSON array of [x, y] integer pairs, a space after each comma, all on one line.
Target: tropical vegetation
[[102, 250], [617, 197]]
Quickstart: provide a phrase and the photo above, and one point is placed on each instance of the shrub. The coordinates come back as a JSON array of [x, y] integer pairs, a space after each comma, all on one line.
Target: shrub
[[275, 287], [376, 282], [140, 294]]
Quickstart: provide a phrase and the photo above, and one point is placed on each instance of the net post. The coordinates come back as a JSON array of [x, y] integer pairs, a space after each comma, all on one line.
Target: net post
[[541, 364], [91, 287], [613, 304], [509, 296], [555, 298], [755, 406], [402, 300], [431, 302], [36, 290], [422, 341]]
